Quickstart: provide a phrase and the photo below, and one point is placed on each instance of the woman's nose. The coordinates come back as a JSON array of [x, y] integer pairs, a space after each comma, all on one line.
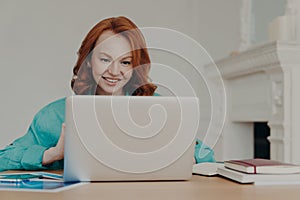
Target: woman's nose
[[114, 68]]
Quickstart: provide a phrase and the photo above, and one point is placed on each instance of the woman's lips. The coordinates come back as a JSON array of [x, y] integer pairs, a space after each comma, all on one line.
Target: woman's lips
[[111, 81]]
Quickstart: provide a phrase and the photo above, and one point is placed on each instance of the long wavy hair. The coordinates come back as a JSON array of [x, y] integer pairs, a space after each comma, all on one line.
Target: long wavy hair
[[83, 82]]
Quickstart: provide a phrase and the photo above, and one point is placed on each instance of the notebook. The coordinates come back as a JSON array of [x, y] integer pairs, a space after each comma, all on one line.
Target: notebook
[[262, 166], [259, 179], [126, 138]]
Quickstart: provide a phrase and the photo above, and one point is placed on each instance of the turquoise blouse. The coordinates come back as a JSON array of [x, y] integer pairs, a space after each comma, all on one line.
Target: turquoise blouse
[[27, 151]]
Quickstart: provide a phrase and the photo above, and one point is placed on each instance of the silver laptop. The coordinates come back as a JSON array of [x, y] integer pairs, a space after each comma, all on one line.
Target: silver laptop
[[126, 138]]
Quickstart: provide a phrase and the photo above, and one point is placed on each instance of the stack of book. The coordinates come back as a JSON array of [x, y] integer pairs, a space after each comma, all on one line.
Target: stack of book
[[260, 172]]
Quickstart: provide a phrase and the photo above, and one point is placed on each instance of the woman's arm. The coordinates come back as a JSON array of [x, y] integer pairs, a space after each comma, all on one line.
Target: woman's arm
[[27, 152], [24, 153]]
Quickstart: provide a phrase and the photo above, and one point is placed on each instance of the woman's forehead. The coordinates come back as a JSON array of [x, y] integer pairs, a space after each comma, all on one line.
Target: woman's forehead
[[113, 44]]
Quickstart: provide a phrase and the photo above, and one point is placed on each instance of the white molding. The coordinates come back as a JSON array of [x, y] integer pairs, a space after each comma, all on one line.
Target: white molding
[[257, 58], [278, 64], [263, 57], [245, 24], [291, 7]]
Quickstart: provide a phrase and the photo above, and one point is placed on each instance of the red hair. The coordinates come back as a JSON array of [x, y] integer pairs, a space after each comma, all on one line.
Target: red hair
[[83, 82]]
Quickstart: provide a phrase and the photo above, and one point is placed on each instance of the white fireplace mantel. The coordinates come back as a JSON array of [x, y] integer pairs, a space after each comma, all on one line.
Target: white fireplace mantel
[[262, 85]]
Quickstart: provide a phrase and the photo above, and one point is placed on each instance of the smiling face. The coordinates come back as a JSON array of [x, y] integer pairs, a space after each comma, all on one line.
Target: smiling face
[[111, 63]]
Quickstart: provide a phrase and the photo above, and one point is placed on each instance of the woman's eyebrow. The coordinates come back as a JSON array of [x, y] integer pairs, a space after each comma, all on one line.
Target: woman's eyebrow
[[125, 57], [107, 55]]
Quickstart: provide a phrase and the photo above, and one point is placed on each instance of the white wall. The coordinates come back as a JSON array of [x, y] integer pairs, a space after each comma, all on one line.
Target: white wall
[[39, 41]]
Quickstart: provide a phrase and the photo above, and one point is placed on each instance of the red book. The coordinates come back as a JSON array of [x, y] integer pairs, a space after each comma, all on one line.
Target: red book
[[262, 166]]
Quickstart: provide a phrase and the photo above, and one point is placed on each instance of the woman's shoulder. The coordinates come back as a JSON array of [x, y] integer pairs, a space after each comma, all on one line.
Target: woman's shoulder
[[57, 103], [46, 124], [55, 107]]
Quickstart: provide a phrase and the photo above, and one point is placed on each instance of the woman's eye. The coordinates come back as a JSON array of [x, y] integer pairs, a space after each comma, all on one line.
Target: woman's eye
[[126, 63], [105, 60]]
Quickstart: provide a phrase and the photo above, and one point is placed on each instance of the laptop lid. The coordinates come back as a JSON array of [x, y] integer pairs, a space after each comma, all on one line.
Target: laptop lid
[[122, 138]]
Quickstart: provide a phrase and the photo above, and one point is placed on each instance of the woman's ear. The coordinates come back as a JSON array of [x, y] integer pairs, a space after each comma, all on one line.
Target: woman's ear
[[88, 64]]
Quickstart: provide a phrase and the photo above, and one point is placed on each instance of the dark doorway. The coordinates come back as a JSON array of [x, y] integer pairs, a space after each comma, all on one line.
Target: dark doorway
[[261, 143]]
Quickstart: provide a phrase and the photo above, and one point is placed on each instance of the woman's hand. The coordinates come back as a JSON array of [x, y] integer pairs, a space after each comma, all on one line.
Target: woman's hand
[[55, 153]]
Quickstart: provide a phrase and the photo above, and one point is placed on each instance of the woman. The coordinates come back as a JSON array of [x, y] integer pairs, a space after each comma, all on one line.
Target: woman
[[112, 60]]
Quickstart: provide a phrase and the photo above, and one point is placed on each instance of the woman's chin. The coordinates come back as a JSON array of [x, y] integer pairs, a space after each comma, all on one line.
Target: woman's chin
[[110, 92]]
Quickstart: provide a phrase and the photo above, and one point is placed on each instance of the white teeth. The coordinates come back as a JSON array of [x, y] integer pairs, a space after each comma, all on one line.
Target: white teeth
[[112, 80]]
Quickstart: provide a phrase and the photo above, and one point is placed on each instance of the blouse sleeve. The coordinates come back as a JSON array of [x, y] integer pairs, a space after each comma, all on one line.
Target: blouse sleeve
[[27, 151]]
